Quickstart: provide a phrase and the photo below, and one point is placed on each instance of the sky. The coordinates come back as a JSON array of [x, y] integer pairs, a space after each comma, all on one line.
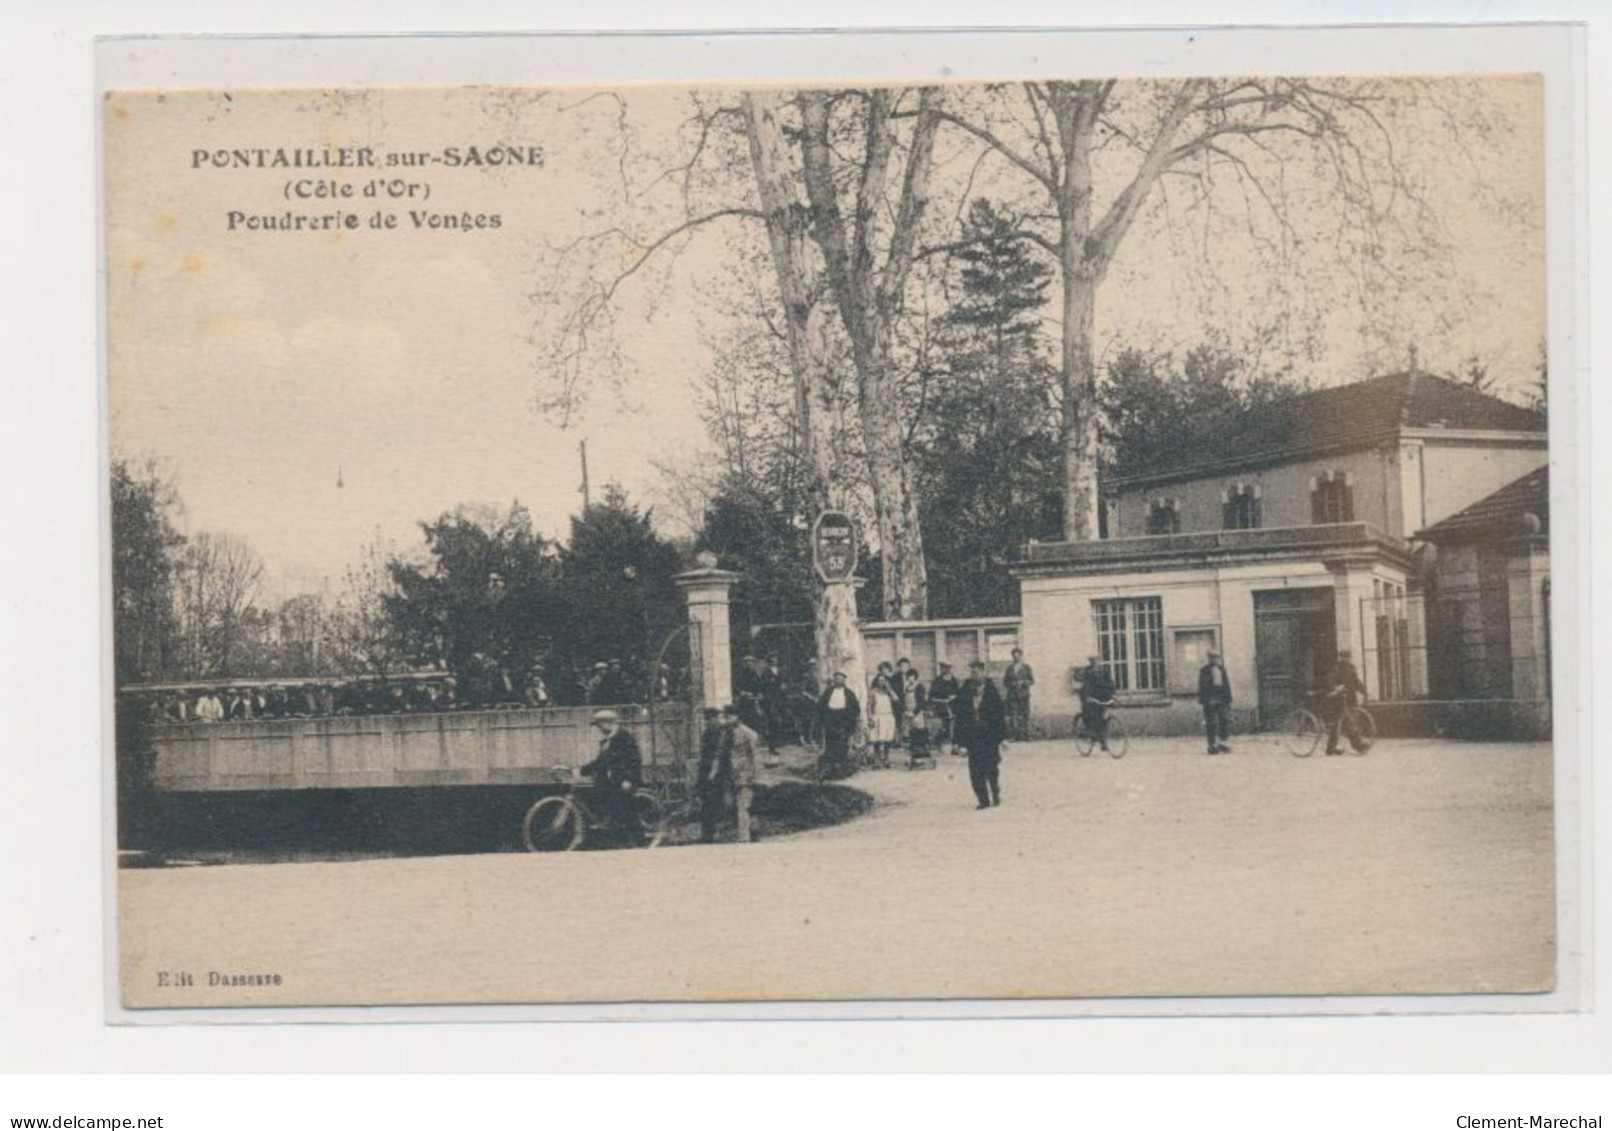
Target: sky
[[309, 390]]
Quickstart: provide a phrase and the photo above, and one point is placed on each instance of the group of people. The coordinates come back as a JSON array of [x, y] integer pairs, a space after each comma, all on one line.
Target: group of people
[[975, 715], [484, 684], [971, 716], [724, 777], [301, 700]]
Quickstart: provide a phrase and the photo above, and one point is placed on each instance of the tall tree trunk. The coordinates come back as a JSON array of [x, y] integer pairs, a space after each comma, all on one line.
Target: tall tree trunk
[[1079, 426], [836, 627], [901, 543], [869, 298]]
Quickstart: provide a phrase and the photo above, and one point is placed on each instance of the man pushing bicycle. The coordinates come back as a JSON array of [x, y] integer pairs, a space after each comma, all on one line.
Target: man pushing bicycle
[[1096, 701]]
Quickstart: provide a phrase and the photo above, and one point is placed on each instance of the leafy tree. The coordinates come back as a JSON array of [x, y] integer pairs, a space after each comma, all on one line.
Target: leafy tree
[[488, 592], [1152, 406], [144, 546], [986, 437], [620, 601]]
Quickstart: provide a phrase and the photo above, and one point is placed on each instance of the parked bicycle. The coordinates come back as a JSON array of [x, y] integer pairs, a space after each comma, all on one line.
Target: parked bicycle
[[1119, 742], [1304, 730], [563, 822]]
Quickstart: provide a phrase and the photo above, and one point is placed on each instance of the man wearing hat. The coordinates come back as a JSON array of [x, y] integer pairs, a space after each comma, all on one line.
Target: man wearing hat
[[616, 772], [1342, 689], [942, 694], [1214, 696]]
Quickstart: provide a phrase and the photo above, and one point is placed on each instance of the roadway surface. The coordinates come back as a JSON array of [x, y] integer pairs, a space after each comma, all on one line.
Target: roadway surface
[[1423, 867]]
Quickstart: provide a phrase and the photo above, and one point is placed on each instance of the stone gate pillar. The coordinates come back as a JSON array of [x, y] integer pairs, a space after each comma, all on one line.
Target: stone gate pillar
[[705, 588], [1354, 618]]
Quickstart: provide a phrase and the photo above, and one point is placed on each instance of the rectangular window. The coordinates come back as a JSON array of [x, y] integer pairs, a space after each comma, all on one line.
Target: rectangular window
[[1130, 642], [1331, 498], [1164, 517], [1240, 510]]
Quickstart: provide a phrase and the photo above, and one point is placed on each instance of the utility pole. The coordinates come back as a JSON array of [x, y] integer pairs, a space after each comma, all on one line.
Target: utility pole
[[587, 500]]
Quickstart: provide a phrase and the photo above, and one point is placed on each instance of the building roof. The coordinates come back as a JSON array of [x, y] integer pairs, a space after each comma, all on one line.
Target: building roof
[[1338, 418], [1499, 515]]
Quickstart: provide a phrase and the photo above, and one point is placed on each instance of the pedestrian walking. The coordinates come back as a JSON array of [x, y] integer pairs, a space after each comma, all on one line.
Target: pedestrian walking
[[1017, 681], [840, 713], [1214, 696], [981, 721]]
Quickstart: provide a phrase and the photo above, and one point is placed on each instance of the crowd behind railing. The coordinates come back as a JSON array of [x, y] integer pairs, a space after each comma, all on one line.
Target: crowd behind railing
[[484, 686]]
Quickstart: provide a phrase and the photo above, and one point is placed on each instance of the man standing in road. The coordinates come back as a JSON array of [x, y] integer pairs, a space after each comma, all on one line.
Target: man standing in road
[[840, 713], [1017, 681], [616, 773], [1214, 696], [981, 722]]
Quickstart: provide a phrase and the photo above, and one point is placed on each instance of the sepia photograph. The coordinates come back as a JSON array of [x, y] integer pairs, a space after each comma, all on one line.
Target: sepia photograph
[[1072, 537]]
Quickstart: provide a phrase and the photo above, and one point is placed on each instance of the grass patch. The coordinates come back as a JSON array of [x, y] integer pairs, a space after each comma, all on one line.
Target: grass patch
[[783, 808]]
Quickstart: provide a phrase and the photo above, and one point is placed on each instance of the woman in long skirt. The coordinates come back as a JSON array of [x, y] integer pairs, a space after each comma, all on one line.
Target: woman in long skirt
[[881, 719]]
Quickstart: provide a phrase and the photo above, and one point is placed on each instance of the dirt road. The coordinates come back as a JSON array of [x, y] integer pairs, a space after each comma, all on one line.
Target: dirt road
[[1423, 867]]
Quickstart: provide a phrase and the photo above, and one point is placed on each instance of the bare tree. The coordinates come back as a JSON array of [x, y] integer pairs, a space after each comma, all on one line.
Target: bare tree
[[1059, 136], [220, 577]]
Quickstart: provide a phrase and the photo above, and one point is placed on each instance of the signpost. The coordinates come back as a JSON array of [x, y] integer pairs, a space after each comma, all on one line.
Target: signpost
[[834, 547]]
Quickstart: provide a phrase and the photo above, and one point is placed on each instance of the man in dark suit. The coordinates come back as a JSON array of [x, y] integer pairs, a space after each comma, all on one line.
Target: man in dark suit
[[840, 713], [981, 725], [1341, 690], [616, 773], [712, 776], [1214, 696], [1017, 681], [770, 686]]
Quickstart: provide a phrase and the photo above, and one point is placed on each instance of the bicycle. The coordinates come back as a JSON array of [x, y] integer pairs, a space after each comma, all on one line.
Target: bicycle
[[562, 822], [1119, 742], [1303, 730]]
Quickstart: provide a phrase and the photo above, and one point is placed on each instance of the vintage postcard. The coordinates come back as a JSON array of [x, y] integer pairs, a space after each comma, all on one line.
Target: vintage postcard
[[1078, 536]]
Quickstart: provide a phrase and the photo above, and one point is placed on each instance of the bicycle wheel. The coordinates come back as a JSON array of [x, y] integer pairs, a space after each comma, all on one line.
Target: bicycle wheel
[[651, 817], [1085, 741], [1361, 730], [553, 824], [1301, 732], [1119, 742]]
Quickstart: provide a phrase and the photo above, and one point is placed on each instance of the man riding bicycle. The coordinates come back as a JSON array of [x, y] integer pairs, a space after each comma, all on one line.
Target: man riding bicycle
[[1096, 700], [616, 773]]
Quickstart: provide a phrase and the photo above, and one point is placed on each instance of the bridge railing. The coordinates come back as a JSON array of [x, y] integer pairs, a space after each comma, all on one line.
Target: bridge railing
[[505, 747]]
